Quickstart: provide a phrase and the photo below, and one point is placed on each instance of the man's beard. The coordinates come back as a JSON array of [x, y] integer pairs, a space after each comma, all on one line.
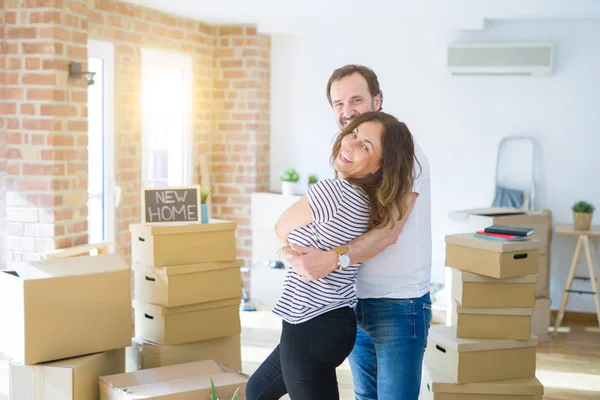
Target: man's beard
[[343, 121]]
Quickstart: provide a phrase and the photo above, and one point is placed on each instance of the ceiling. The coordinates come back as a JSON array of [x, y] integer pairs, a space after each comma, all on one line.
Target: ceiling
[[286, 16]]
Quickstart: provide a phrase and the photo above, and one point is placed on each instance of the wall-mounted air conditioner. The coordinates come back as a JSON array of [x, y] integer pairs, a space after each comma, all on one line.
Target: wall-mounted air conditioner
[[528, 59]]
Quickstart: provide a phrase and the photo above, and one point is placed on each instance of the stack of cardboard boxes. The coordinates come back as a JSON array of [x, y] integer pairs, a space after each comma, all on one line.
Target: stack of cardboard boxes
[[541, 222], [65, 323], [488, 351], [187, 292]]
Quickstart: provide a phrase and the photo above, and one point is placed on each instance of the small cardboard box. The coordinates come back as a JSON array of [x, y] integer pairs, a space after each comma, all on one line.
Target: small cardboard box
[[175, 382], [143, 354], [436, 386], [173, 244], [72, 378], [186, 324], [187, 284], [491, 323], [495, 259], [479, 360], [65, 308], [472, 290], [540, 320]]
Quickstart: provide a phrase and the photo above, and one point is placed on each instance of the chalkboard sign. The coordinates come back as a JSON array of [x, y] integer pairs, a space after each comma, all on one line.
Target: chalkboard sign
[[171, 204]]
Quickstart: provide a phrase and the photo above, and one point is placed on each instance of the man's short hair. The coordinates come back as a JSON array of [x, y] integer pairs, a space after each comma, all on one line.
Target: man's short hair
[[365, 72]]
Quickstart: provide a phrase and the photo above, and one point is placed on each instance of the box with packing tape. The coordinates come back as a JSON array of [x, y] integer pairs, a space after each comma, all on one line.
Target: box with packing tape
[[472, 290], [183, 285], [175, 382], [185, 324], [65, 308], [490, 258], [169, 244], [479, 360], [491, 323], [72, 378], [143, 354], [436, 386]]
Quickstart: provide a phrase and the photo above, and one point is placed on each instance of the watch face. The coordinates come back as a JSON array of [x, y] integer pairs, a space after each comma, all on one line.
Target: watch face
[[344, 260]]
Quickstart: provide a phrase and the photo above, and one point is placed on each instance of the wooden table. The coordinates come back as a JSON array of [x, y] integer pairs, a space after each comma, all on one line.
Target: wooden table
[[584, 239]]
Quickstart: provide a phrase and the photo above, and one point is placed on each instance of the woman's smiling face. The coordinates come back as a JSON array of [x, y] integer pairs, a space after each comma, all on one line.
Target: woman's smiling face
[[360, 151]]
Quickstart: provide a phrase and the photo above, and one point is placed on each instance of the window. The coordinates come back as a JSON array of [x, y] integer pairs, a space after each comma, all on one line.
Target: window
[[166, 111]]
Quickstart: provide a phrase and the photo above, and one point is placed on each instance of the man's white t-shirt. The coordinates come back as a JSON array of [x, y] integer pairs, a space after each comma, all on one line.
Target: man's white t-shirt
[[403, 270]]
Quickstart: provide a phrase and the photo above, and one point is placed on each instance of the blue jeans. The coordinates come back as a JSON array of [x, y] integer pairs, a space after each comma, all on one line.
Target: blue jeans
[[387, 358]]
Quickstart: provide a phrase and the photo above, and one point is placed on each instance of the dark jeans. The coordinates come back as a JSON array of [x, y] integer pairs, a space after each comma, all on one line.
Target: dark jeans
[[304, 362]]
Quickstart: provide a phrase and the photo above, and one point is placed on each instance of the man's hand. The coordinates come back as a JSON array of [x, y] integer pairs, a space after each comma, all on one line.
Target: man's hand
[[311, 263]]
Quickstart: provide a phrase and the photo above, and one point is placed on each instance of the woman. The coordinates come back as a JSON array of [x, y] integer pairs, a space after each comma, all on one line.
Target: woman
[[373, 157]]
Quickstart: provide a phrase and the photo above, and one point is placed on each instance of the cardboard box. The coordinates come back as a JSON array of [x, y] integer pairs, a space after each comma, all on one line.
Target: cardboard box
[[472, 290], [73, 378], [540, 320], [187, 284], [469, 253], [65, 308], [436, 386], [175, 382], [143, 354], [182, 243], [542, 286], [491, 323], [186, 324], [479, 360]]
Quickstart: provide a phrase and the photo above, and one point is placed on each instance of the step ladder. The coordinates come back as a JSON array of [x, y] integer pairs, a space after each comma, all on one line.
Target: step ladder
[[585, 242]]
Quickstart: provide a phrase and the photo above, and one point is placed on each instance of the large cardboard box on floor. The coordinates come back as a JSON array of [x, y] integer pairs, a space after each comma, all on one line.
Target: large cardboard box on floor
[[540, 320], [55, 309], [187, 284], [175, 382], [472, 290], [472, 220], [177, 325], [491, 323], [143, 354], [436, 386], [479, 360], [491, 258], [73, 378], [182, 243]]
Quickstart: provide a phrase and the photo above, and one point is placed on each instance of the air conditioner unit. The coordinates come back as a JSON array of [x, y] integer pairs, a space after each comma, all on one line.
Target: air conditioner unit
[[528, 59]]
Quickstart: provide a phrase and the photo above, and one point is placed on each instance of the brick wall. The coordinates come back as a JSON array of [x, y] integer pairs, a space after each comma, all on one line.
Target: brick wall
[[45, 127], [46, 150]]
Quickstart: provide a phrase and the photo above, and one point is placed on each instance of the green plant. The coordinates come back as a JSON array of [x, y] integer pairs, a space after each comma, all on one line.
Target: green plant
[[583, 207], [312, 179], [204, 193], [213, 392], [290, 175]]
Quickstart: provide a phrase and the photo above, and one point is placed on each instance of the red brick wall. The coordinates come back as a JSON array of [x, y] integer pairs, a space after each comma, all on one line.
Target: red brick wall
[[46, 128], [240, 145]]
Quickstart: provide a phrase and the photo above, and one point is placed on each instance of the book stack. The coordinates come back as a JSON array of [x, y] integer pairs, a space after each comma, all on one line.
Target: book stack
[[505, 233], [488, 351]]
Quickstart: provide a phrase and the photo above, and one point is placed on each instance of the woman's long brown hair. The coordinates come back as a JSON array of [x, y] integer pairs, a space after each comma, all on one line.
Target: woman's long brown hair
[[389, 186]]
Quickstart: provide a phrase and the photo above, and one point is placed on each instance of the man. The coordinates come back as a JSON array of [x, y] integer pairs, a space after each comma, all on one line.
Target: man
[[394, 307]]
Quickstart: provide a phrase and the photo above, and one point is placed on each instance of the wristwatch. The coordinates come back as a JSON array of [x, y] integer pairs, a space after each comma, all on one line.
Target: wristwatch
[[343, 258]]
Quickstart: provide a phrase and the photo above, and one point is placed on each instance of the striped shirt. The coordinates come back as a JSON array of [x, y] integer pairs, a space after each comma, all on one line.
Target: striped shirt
[[340, 214]]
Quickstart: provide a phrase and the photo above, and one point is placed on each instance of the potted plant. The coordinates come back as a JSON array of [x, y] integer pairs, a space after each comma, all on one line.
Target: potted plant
[[312, 179], [582, 215], [204, 193], [289, 180], [213, 392]]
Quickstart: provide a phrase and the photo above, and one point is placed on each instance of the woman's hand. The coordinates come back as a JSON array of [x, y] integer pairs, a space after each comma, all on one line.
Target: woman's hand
[[310, 263]]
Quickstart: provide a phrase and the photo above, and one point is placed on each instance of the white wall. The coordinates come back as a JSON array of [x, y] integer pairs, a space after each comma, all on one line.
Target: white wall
[[458, 121]]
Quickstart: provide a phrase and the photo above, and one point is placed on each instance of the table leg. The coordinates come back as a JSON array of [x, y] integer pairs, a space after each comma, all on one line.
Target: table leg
[[565, 297], [592, 271]]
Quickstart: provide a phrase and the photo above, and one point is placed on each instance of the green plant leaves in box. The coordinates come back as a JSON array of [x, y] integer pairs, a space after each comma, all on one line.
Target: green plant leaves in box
[[583, 207], [290, 175]]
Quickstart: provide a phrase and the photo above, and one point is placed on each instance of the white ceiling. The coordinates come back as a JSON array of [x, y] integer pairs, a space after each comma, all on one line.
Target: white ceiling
[[287, 16]]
